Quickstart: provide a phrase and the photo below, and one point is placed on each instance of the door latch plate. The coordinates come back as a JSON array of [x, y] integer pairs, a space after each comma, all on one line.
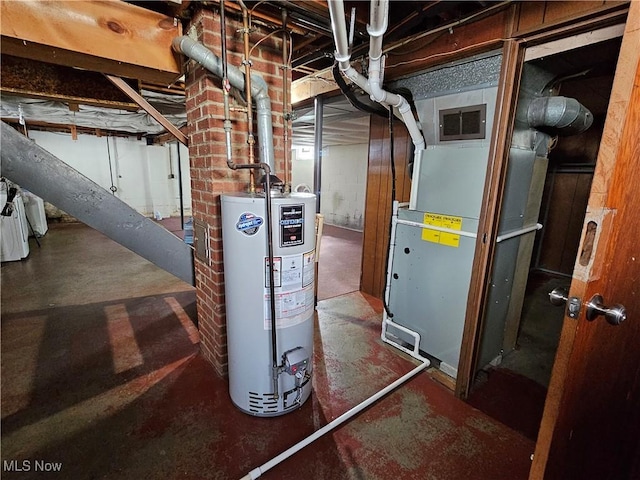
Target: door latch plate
[[573, 307]]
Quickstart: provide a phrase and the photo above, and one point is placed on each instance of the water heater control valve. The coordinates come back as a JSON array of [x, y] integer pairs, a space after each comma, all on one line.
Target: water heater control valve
[[295, 361]]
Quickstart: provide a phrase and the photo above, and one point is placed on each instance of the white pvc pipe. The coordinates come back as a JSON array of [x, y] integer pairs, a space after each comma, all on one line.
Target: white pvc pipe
[[438, 229], [386, 320], [339, 28], [415, 352], [378, 13], [517, 233], [415, 180], [377, 27], [378, 21], [257, 472]]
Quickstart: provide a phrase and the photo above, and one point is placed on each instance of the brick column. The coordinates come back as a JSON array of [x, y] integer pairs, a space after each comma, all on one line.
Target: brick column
[[210, 175]]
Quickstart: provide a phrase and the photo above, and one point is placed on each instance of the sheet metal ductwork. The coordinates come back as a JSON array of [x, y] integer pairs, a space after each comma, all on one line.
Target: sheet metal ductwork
[[540, 116], [564, 116], [32, 167]]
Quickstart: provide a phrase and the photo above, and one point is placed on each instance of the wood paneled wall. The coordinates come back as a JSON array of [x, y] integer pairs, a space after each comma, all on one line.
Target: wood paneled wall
[[379, 197], [566, 198], [537, 16]]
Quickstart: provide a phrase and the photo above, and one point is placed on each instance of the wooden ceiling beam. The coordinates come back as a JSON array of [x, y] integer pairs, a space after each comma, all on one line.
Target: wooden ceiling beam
[[313, 85], [114, 37], [166, 137], [67, 127], [150, 109]]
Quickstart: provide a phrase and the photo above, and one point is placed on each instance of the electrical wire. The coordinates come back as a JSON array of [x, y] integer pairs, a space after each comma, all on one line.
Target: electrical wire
[[280, 30], [393, 199], [446, 54], [113, 188]]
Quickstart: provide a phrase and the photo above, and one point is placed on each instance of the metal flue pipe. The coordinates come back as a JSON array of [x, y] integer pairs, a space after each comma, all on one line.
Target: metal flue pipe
[[234, 76], [259, 91]]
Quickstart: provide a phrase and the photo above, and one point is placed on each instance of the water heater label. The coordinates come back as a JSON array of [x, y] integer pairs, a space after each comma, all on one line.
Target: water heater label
[[309, 268], [292, 308], [291, 225], [294, 290], [249, 224]]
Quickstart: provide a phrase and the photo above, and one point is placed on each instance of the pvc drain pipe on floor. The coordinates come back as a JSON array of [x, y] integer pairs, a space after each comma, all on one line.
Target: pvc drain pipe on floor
[[257, 472]]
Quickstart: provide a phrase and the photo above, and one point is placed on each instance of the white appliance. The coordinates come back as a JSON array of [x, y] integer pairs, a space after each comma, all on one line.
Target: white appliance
[[254, 385], [14, 230], [34, 209]]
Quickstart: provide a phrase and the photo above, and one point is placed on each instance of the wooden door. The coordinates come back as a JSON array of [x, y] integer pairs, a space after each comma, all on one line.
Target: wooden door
[[591, 423]]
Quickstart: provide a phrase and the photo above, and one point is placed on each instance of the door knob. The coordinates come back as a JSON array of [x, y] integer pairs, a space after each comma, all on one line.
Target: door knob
[[558, 296], [615, 315]]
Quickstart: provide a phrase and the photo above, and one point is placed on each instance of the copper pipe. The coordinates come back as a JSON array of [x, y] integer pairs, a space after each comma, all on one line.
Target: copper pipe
[[247, 74], [285, 100], [268, 18]]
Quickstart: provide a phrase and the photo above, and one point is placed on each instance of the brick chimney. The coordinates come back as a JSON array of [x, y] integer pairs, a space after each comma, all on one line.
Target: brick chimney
[[210, 175]]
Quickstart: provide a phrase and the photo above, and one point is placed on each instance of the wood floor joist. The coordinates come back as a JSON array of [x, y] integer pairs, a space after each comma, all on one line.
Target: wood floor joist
[[115, 38], [150, 109], [74, 130]]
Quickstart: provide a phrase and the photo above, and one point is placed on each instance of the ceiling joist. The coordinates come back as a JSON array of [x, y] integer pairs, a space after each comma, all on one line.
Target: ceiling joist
[[115, 38], [150, 109]]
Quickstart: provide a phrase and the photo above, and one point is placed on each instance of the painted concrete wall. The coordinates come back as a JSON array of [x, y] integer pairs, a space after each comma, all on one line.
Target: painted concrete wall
[[139, 172], [302, 168], [343, 182]]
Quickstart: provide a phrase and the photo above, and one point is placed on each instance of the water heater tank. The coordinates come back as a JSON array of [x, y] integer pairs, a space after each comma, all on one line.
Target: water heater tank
[[252, 379]]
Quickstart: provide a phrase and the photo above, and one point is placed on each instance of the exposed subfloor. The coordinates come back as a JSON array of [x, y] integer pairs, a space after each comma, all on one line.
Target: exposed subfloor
[[102, 378]]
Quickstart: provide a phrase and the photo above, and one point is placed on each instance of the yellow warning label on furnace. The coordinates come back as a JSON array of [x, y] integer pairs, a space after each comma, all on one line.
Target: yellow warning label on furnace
[[444, 221]]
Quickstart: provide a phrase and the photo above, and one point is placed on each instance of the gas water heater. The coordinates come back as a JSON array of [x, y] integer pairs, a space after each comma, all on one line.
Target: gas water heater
[[255, 386]]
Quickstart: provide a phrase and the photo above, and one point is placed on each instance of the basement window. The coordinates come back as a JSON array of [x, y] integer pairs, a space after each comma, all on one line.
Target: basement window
[[463, 123]]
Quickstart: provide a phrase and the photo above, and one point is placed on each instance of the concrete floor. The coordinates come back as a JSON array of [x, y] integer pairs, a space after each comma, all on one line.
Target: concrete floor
[[540, 330], [339, 265], [102, 378], [515, 391]]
